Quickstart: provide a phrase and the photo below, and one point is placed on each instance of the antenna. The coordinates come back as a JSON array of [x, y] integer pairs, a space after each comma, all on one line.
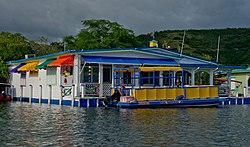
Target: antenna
[[183, 39], [152, 34], [218, 49]]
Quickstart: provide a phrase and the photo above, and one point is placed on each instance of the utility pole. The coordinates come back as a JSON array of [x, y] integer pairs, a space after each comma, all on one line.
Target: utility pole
[[182, 45], [218, 49]]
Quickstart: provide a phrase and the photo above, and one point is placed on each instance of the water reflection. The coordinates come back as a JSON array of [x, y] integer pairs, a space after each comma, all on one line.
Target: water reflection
[[23, 124]]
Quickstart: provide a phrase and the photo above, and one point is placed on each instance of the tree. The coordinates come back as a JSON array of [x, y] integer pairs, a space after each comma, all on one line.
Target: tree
[[102, 34], [12, 47], [3, 70], [42, 47]]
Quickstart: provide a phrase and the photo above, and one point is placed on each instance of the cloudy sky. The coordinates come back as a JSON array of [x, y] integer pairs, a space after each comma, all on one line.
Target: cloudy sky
[[58, 18]]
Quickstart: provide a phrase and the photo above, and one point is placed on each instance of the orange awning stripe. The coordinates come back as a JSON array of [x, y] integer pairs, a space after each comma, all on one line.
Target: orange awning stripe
[[63, 60], [28, 67]]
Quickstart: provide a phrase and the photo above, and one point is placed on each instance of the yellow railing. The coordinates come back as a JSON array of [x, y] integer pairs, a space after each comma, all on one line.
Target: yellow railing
[[171, 93], [158, 93]]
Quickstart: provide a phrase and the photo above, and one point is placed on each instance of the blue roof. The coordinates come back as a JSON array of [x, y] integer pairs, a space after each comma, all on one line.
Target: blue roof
[[241, 70], [213, 66], [170, 55], [134, 61], [111, 60]]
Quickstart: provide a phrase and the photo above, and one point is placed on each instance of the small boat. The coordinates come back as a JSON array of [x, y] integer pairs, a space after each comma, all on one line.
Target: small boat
[[5, 98], [131, 102], [139, 95]]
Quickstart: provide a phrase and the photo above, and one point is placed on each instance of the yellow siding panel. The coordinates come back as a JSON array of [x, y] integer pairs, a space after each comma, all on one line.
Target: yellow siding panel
[[161, 94], [179, 91], [141, 94], [192, 93], [151, 94], [171, 93], [213, 91], [204, 92]]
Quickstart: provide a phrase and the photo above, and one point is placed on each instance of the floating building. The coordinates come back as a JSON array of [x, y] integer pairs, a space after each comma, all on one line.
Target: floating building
[[82, 77]]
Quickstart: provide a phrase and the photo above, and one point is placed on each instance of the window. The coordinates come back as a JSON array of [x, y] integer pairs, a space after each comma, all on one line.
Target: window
[[90, 74], [106, 74], [68, 70], [51, 76], [147, 78], [23, 78], [33, 73], [127, 77], [166, 78]]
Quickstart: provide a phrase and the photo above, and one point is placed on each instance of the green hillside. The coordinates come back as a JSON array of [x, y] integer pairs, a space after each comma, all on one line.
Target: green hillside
[[234, 43]]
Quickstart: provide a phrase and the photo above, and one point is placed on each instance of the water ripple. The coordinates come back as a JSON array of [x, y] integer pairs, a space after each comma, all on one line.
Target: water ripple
[[23, 124]]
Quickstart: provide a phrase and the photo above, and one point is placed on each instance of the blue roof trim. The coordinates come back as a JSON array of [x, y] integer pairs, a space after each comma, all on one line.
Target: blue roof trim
[[155, 51], [170, 62], [111, 60], [123, 60], [44, 56], [213, 66], [164, 54], [186, 55], [241, 70]]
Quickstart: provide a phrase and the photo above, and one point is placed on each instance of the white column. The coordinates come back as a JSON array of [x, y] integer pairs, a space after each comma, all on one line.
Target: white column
[[50, 94], [100, 80], [229, 82], [161, 78], [192, 77], [112, 74], [76, 72], [211, 77], [200, 78], [41, 93], [73, 94], [31, 93]]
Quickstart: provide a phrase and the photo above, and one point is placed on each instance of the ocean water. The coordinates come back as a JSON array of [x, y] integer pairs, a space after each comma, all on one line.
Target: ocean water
[[24, 124]]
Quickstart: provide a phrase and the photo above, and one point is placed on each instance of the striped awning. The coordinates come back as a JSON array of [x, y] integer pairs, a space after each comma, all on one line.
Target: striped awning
[[63, 60], [28, 67], [45, 64], [15, 69]]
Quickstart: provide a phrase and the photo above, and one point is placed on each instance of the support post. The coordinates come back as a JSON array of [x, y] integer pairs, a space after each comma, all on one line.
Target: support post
[[62, 94], [229, 83], [50, 94], [41, 94], [112, 73], [12, 91], [211, 77], [245, 91], [100, 80], [76, 73], [161, 78], [21, 96], [31, 93], [82, 90], [73, 94]]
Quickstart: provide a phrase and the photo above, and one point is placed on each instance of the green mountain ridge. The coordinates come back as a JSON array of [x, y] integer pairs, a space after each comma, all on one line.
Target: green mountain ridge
[[234, 47]]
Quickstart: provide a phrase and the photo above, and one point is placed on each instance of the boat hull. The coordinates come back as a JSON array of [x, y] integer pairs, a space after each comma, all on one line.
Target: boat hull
[[168, 103], [5, 98]]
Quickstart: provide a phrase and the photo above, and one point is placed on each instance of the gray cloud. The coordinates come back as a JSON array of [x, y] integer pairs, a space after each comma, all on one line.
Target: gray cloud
[[58, 18]]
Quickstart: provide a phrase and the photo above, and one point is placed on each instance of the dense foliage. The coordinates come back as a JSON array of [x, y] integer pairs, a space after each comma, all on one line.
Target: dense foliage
[[234, 43], [12, 46], [100, 34]]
